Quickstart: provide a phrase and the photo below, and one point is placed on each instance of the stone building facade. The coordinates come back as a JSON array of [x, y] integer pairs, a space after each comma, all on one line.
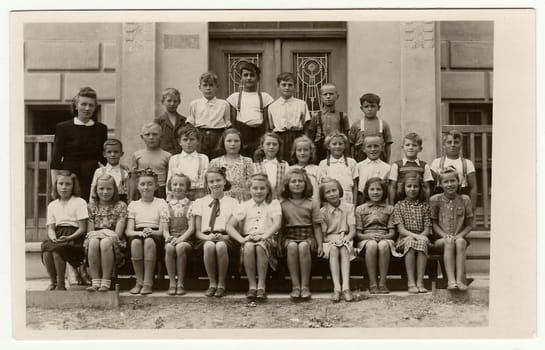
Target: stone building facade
[[430, 76]]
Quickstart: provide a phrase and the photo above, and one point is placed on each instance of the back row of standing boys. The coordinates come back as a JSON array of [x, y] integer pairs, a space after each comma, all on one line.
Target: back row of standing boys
[[175, 166]]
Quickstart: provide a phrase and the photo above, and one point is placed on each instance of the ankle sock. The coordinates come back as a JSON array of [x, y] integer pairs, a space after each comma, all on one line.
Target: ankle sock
[[105, 283], [95, 283]]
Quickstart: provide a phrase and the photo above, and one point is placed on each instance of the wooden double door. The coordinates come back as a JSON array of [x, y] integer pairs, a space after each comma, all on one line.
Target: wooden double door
[[314, 62]]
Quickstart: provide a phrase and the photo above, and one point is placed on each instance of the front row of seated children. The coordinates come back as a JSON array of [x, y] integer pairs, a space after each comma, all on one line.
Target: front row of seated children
[[260, 230]]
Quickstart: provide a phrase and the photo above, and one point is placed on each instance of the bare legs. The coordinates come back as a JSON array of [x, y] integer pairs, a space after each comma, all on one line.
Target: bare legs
[[255, 261], [377, 251], [454, 256], [143, 256], [101, 262], [299, 264], [415, 260], [176, 262], [216, 263], [339, 264]]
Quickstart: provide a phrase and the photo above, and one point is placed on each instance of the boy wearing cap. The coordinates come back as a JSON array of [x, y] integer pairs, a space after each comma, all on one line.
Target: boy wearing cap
[[249, 108]]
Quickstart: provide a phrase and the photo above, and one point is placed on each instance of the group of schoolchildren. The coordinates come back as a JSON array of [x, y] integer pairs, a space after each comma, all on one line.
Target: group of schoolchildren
[[315, 187]]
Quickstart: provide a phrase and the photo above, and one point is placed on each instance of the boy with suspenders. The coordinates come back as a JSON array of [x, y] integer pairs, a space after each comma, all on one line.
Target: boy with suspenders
[[370, 124], [327, 121], [249, 109]]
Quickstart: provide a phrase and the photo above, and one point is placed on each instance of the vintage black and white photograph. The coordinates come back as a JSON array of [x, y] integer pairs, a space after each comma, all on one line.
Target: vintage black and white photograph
[[250, 173]]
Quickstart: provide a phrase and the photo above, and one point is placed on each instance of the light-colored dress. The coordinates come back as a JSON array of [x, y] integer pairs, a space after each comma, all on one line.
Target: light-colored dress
[[336, 221], [237, 174], [375, 218], [256, 219]]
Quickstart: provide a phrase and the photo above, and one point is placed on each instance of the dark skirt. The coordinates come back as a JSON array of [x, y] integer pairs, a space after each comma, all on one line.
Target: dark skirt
[[159, 244], [70, 251], [298, 234]]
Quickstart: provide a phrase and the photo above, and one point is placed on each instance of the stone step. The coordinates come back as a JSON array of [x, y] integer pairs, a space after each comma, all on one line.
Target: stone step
[[78, 297]]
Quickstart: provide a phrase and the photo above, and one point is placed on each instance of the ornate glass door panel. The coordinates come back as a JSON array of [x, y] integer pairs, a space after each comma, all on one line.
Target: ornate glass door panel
[[316, 62], [313, 61], [311, 71], [225, 55]]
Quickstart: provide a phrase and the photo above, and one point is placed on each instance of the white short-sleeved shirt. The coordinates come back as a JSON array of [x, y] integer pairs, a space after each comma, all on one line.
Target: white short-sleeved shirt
[[457, 163], [394, 171], [339, 170], [203, 207], [193, 165], [250, 113], [67, 213], [210, 114], [148, 214], [257, 217], [290, 114], [371, 168]]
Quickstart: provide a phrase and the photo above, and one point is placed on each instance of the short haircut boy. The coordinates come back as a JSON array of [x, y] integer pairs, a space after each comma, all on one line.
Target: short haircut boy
[[151, 125], [113, 142], [379, 137], [285, 76], [456, 135], [414, 137], [370, 98], [170, 92], [189, 130], [209, 78], [245, 65], [332, 85]]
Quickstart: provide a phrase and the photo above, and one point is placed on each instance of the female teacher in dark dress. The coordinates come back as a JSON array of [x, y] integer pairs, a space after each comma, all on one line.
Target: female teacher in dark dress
[[78, 142]]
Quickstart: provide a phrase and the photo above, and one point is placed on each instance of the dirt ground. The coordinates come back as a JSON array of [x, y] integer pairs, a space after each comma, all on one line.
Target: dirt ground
[[390, 311]]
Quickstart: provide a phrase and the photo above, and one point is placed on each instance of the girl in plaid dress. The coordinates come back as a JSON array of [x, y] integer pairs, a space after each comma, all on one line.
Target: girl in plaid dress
[[376, 233], [412, 219], [267, 161], [302, 231], [260, 219]]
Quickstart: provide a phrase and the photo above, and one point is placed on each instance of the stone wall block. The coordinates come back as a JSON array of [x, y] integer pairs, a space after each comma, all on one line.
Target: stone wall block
[[109, 55], [471, 54], [464, 85], [62, 55], [103, 83], [42, 86]]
